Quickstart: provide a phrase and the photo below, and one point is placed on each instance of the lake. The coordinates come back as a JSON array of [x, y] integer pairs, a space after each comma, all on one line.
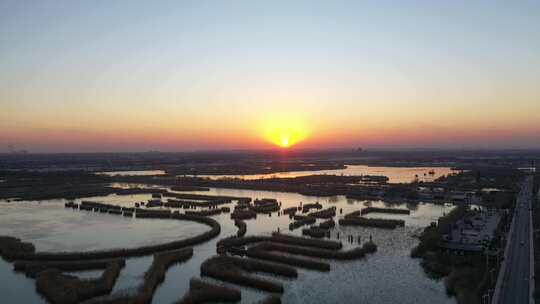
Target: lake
[[394, 174], [387, 276]]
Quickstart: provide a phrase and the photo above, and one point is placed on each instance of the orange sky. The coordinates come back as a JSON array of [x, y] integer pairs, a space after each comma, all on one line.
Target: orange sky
[[78, 77]]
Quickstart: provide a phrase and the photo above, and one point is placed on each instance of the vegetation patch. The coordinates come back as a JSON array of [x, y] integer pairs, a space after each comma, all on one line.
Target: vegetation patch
[[384, 210], [208, 212], [307, 242], [239, 214], [242, 227], [236, 270], [204, 292], [327, 224], [301, 220], [254, 252], [96, 205], [315, 232], [466, 275], [60, 288], [152, 277], [12, 246], [189, 188], [270, 300], [156, 274], [325, 214], [308, 207], [33, 268], [146, 213], [234, 241], [356, 253], [371, 222], [290, 210]]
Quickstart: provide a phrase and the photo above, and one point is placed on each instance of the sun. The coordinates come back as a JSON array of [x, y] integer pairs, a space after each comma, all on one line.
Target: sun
[[285, 142], [284, 132]]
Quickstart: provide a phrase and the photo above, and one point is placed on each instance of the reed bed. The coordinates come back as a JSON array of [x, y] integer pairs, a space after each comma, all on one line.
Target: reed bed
[[239, 214], [280, 238], [384, 210], [265, 206], [234, 241], [156, 273], [204, 292], [252, 265], [270, 300], [175, 203], [154, 203], [233, 270], [145, 213], [371, 222], [189, 188], [264, 201], [152, 278], [315, 232], [353, 214], [114, 211], [255, 252], [327, 224], [355, 253], [194, 204], [295, 240], [242, 228], [208, 212], [60, 288], [86, 208], [291, 210], [241, 207], [212, 199], [308, 207], [96, 205], [132, 191], [243, 200], [225, 209], [324, 214], [12, 246], [301, 220], [33, 268]]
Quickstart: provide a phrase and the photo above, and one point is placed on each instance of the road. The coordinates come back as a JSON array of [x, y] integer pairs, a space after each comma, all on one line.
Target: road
[[517, 280]]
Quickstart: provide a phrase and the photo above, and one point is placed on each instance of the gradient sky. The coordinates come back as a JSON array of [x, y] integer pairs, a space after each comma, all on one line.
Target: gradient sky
[[184, 75]]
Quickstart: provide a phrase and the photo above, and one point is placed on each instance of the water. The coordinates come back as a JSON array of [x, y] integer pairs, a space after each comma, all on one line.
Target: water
[[51, 227], [394, 174], [15, 287], [388, 276]]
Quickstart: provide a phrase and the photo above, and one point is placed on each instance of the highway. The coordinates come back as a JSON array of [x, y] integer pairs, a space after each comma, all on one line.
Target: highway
[[517, 280]]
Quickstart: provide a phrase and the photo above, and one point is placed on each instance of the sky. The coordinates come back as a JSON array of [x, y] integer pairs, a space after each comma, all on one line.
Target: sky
[[93, 76]]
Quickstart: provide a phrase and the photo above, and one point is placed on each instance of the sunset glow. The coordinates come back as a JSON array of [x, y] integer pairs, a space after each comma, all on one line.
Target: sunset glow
[[253, 75], [285, 129]]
